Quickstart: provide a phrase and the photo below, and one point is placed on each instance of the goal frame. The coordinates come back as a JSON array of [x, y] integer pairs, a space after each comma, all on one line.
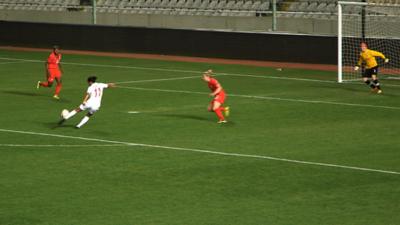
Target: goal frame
[[363, 23], [340, 34]]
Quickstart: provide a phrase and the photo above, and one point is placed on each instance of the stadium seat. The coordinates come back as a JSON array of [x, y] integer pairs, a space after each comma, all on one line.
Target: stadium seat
[[131, 4], [115, 3], [247, 5], [238, 5], [213, 5], [180, 4], [230, 5], [172, 4], [312, 7], [188, 4], [147, 4], [264, 6], [140, 3], [204, 4], [196, 4], [256, 5], [155, 3], [122, 4], [302, 7], [293, 6], [164, 3]]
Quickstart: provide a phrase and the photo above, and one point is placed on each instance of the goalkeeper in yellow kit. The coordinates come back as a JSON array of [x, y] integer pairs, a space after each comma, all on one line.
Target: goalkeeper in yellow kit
[[371, 66]]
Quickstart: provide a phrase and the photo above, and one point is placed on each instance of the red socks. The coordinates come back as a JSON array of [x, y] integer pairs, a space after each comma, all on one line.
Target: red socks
[[58, 88], [219, 113]]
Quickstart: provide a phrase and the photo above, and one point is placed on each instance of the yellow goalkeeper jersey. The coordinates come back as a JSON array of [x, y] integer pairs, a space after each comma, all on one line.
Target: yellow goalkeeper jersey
[[368, 56]]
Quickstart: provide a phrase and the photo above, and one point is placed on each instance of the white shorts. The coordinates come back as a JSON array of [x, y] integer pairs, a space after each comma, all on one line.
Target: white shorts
[[90, 108]]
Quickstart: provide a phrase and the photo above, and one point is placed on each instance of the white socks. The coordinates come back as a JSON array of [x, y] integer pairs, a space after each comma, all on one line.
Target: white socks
[[83, 121], [70, 114]]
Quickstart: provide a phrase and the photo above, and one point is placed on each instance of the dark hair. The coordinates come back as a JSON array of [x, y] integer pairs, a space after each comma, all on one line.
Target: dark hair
[[56, 47], [92, 79]]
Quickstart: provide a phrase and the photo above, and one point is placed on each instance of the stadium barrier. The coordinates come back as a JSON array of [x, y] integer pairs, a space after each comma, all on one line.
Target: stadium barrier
[[200, 43], [287, 21]]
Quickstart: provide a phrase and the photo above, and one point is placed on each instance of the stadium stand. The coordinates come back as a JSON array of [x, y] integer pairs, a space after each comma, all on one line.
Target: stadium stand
[[323, 9]]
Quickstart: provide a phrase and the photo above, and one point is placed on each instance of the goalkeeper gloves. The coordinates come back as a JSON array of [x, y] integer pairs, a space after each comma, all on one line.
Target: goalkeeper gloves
[[386, 60], [356, 68]]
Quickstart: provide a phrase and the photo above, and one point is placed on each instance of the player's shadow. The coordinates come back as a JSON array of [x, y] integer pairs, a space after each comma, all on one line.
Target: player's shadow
[[185, 116], [345, 87], [22, 93], [55, 125], [32, 94]]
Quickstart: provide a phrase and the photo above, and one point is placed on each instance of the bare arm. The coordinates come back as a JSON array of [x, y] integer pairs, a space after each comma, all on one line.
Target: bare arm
[[87, 96], [46, 69], [61, 69], [111, 85], [219, 88]]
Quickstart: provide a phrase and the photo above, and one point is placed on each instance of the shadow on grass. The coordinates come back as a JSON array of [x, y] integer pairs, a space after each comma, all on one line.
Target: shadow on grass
[[55, 125], [22, 93], [185, 116], [193, 117], [32, 94]]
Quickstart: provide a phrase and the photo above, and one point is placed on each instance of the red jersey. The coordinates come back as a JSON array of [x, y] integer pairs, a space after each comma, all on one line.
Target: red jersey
[[53, 60], [213, 84]]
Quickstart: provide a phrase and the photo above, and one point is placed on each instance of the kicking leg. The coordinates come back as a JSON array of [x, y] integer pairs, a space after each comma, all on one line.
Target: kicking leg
[[70, 114]]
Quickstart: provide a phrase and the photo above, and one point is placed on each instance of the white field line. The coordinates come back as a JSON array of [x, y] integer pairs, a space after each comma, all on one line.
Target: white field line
[[269, 98], [205, 151], [177, 70], [275, 77], [193, 71], [156, 80], [3, 63], [61, 145]]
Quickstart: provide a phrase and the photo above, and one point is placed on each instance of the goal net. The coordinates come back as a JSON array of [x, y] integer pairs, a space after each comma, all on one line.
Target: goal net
[[377, 24]]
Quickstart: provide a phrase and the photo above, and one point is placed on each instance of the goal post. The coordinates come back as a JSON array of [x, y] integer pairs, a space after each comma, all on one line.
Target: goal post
[[376, 24]]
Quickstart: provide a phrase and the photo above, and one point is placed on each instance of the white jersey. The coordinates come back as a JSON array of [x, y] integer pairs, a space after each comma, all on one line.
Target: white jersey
[[95, 92]]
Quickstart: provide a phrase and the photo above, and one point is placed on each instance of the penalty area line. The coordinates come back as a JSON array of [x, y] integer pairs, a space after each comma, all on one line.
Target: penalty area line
[[156, 80], [269, 98], [207, 152], [176, 71], [189, 71]]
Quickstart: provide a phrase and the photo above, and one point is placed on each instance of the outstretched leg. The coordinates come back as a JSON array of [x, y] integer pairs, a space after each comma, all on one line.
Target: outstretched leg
[[70, 114]]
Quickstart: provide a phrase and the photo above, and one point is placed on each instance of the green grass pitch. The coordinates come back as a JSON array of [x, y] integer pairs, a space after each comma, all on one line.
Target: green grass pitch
[[299, 149]]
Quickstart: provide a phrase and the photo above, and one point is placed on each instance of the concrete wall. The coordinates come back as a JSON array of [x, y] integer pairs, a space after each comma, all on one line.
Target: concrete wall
[[202, 43], [253, 24]]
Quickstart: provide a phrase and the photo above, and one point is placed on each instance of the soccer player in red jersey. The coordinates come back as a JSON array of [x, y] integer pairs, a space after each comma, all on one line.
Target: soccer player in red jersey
[[53, 72], [219, 96]]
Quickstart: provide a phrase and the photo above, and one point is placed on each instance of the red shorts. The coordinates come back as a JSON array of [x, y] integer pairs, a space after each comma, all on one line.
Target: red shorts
[[220, 97], [53, 74]]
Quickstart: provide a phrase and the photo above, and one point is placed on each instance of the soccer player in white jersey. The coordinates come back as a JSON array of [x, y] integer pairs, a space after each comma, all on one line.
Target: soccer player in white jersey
[[91, 102]]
